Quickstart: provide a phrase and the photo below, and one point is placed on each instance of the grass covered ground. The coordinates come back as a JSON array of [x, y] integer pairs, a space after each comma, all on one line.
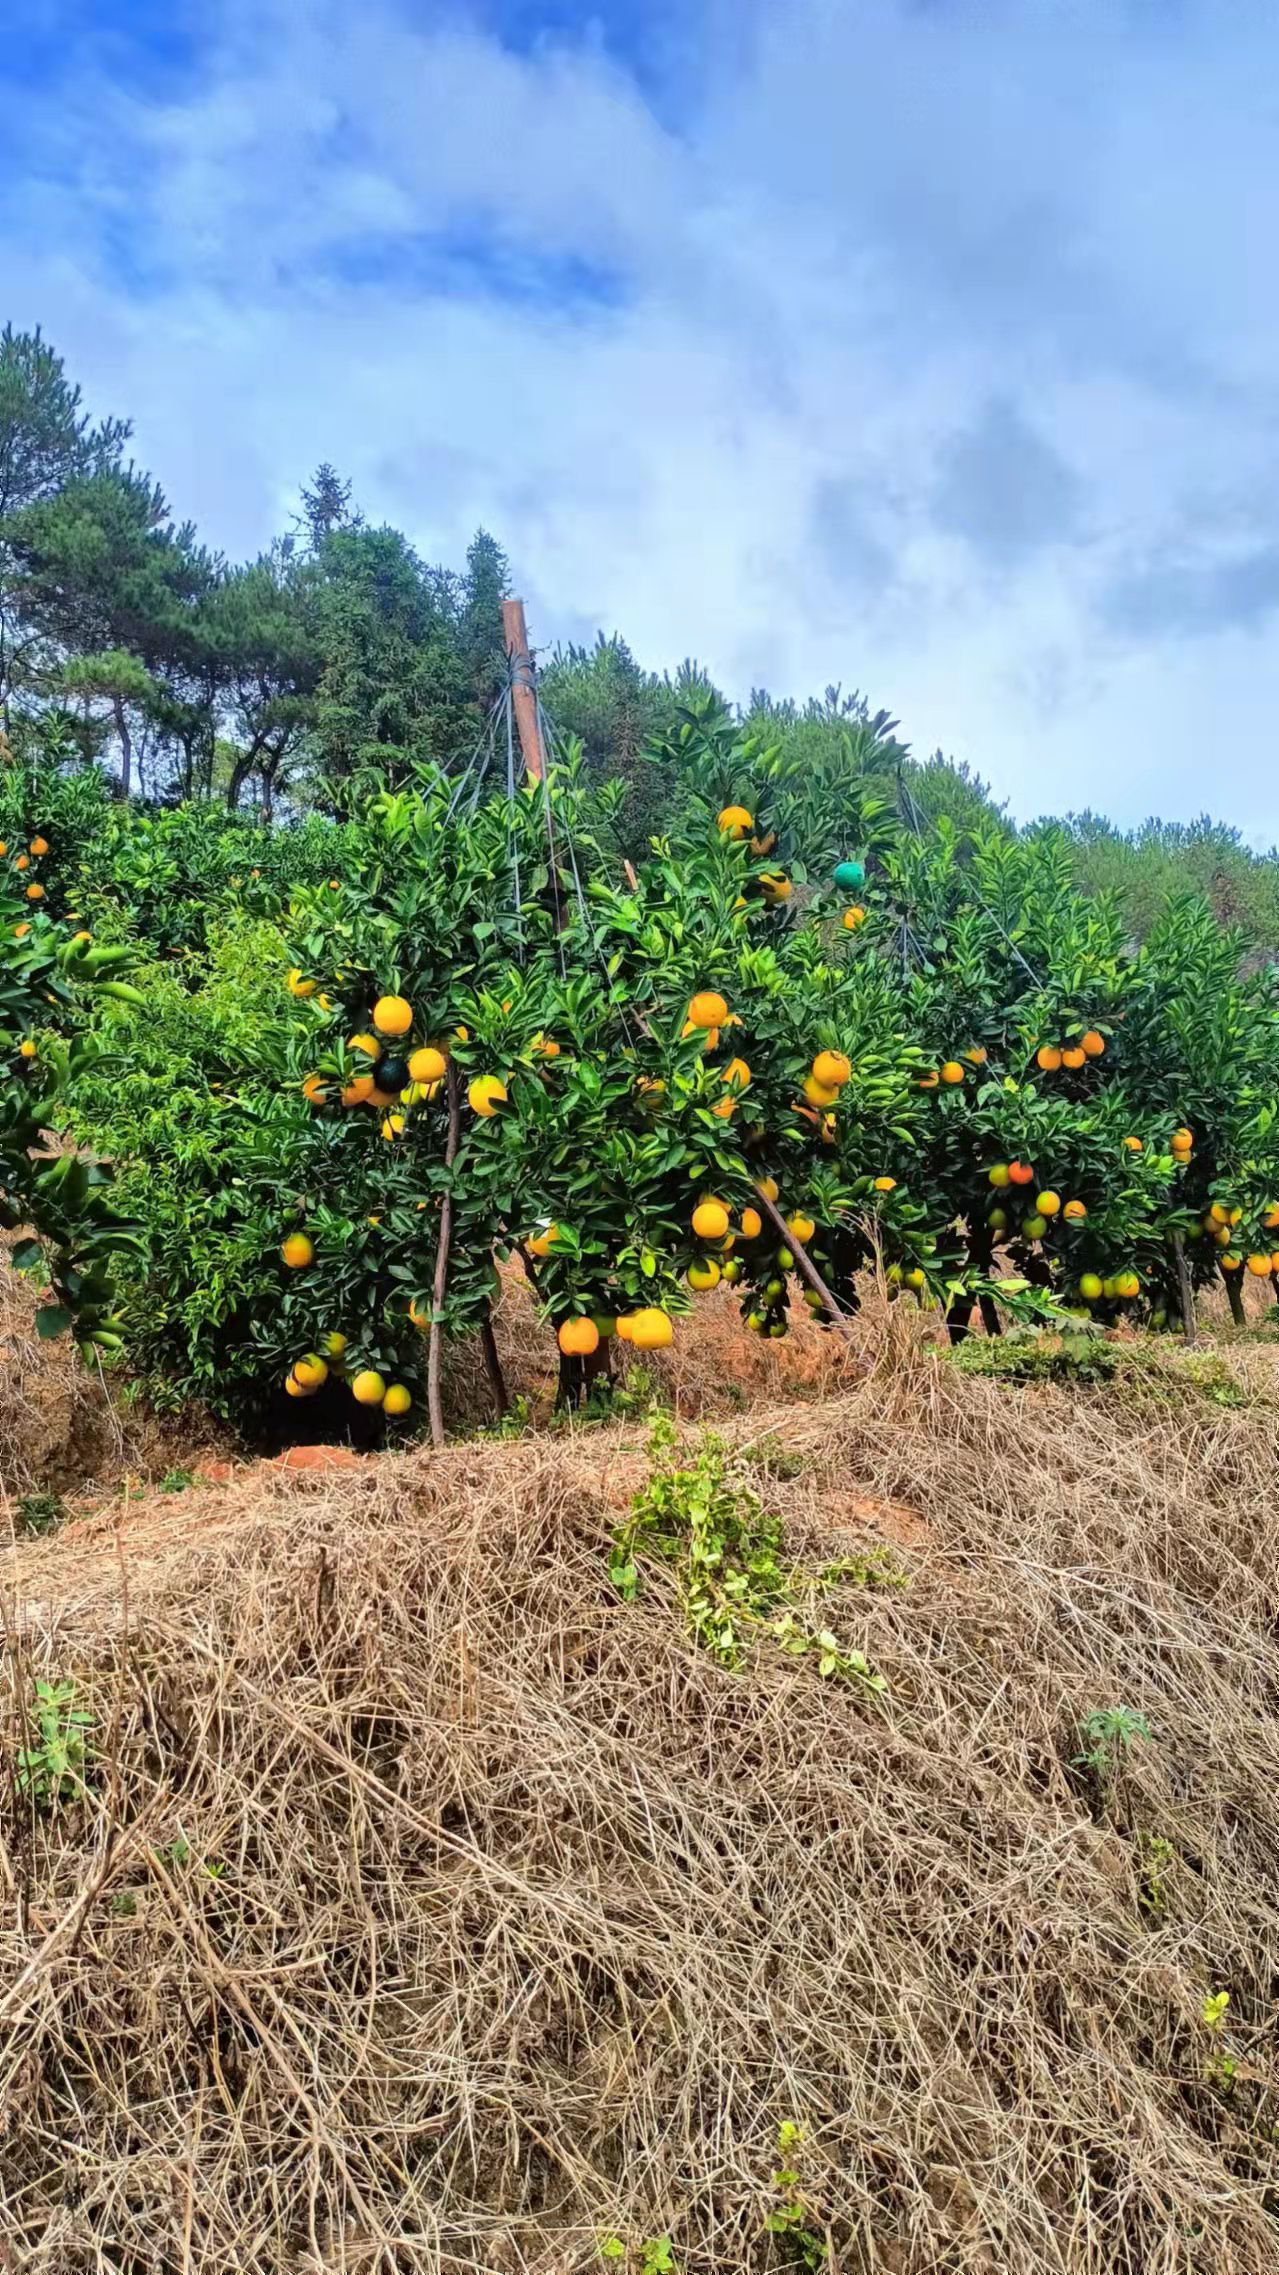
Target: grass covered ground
[[423, 1898]]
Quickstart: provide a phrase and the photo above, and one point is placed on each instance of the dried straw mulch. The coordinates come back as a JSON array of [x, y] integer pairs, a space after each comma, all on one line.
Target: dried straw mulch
[[434, 1910]]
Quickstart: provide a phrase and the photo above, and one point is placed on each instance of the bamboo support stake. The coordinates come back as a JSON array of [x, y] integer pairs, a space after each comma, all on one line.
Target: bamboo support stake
[[433, 1407], [523, 688]]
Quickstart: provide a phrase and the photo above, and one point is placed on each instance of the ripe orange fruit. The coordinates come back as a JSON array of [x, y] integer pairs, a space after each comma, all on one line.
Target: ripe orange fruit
[[397, 1401], [540, 1243], [1020, 1173], [885, 1184], [427, 1064], [752, 1222], [1183, 1136], [977, 1055], [651, 1330], [820, 1093], [1048, 1203], [710, 1220], [768, 1187], [737, 1074], [26, 1048], [1259, 1266], [831, 1069], [544, 1047], [392, 1015], [734, 821], [707, 1009], [297, 1251], [369, 1044], [1048, 1057], [1218, 1212], [355, 1093], [299, 986], [312, 1371], [1074, 1057], [39, 846], [705, 1275], [801, 1228], [1074, 1211], [35, 892], [486, 1094], [20, 931], [368, 1388], [295, 1389], [724, 1108], [852, 918], [1092, 1044], [929, 1081], [392, 1126], [313, 1090], [22, 862], [577, 1338], [776, 887], [1231, 1263], [952, 1071], [762, 845], [1134, 1144]]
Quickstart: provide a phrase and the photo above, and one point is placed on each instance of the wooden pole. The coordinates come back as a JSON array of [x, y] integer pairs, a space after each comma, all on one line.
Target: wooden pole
[[434, 1409], [523, 687]]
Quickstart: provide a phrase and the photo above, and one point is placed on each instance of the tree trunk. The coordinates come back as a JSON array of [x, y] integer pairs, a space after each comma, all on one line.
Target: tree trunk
[[434, 1409], [1185, 1287], [493, 1366], [126, 747], [1234, 1294]]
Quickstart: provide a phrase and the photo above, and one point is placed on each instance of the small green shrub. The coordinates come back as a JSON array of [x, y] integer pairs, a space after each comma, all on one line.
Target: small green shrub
[[1028, 1356], [728, 1555], [53, 1770], [1107, 1735], [40, 1512]]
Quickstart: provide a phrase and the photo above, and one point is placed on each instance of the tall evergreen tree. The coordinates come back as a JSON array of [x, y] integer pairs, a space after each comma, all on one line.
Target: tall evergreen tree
[[485, 585], [47, 440]]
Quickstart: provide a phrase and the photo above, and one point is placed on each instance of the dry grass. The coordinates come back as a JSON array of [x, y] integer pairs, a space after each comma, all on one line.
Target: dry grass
[[507, 1919], [56, 1422]]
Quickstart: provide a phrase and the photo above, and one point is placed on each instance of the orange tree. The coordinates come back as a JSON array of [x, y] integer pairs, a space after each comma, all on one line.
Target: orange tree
[[1199, 1051], [73, 1233], [483, 1033], [1018, 989]]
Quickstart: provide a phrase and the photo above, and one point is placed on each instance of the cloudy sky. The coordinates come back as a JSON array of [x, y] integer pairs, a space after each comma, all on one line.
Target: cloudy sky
[[929, 346]]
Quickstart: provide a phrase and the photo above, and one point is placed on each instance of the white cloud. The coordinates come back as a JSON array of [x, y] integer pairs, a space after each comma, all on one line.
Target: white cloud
[[921, 351]]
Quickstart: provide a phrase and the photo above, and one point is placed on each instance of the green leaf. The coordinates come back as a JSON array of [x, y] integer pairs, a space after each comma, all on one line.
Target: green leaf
[[52, 1319]]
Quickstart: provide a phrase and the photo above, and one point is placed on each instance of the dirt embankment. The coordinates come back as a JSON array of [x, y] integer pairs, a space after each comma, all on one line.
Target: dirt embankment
[[432, 1907]]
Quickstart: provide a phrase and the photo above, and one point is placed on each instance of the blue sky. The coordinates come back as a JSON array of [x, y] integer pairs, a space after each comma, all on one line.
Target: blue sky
[[929, 346]]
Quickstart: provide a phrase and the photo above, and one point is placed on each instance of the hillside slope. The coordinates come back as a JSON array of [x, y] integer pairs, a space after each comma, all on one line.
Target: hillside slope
[[432, 1907]]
